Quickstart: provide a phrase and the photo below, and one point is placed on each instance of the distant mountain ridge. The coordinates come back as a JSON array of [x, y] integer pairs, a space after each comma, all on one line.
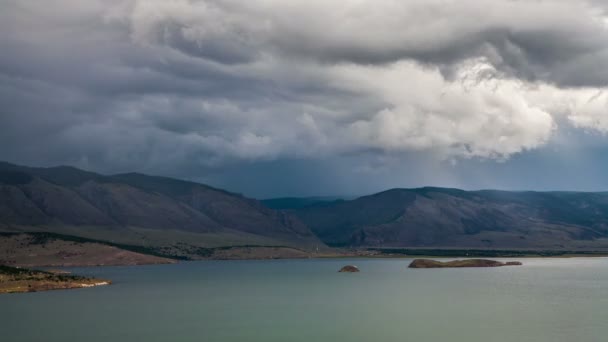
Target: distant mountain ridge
[[140, 209], [453, 218], [281, 203]]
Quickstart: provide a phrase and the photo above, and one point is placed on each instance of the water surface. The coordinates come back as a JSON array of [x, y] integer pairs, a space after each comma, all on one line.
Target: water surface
[[548, 300]]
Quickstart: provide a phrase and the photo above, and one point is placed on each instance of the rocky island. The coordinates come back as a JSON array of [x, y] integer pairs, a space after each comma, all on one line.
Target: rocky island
[[13, 280], [426, 263], [349, 269]]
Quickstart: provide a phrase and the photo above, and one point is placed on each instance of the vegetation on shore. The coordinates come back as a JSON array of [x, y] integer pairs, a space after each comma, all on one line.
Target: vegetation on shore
[[15, 280], [42, 238], [169, 253], [35, 249], [48, 250]]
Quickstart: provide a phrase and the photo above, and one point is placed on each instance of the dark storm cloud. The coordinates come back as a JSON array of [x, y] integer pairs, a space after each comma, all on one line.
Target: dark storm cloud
[[190, 87], [216, 48]]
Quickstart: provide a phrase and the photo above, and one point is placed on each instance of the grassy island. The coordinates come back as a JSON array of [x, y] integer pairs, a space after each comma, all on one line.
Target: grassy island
[[426, 263], [13, 280]]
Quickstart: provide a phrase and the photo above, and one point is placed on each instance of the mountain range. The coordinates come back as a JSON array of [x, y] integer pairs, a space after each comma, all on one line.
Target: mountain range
[[453, 218], [137, 209], [176, 217]]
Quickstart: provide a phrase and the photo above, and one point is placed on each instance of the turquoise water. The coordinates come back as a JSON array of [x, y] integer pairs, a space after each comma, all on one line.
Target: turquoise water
[[548, 300]]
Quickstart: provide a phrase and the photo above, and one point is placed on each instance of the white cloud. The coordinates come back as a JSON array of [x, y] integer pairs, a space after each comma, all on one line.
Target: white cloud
[[585, 108], [476, 114]]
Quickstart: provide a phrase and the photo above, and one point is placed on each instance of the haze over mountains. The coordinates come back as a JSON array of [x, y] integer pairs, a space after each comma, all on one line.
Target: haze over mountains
[[161, 212]]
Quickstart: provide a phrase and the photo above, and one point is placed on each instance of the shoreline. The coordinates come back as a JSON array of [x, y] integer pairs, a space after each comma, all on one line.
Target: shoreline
[[352, 254], [338, 257], [24, 280], [320, 257], [33, 289]]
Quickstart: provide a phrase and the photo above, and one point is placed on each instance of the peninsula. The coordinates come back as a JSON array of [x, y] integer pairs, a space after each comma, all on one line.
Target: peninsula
[[14, 280]]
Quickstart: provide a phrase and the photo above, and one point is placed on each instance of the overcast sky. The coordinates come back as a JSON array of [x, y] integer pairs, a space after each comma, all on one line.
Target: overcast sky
[[313, 97]]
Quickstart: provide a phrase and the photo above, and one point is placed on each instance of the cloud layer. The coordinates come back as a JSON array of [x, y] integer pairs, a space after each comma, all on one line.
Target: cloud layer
[[121, 84]]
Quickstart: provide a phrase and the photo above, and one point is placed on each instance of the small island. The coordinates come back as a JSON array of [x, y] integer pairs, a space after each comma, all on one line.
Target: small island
[[427, 263], [349, 269], [14, 280]]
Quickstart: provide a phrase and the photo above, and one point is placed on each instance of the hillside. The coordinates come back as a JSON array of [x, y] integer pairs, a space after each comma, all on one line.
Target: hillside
[[44, 249], [451, 218], [137, 209]]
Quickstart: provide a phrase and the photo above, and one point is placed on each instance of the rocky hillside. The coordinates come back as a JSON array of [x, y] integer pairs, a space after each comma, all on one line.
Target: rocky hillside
[[438, 217], [137, 209]]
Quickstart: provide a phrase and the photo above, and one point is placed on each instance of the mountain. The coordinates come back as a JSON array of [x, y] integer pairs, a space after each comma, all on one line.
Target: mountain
[[138, 209], [452, 218]]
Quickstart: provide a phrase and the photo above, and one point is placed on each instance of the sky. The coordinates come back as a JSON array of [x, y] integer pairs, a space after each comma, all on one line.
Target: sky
[[311, 97]]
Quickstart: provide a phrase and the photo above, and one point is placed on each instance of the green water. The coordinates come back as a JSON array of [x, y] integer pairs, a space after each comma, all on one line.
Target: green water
[[548, 300]]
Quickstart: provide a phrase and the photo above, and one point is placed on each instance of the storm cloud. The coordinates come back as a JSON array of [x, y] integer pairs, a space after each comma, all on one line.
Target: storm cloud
[[193, 88]]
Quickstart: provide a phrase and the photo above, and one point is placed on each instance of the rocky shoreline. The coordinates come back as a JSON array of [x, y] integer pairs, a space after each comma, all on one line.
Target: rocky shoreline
[[19, 280]]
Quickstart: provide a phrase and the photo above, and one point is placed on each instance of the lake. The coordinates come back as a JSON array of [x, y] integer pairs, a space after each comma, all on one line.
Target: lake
[[548, 300]]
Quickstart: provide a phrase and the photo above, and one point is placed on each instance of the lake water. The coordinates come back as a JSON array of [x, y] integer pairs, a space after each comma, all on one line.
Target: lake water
[[548, 300]]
